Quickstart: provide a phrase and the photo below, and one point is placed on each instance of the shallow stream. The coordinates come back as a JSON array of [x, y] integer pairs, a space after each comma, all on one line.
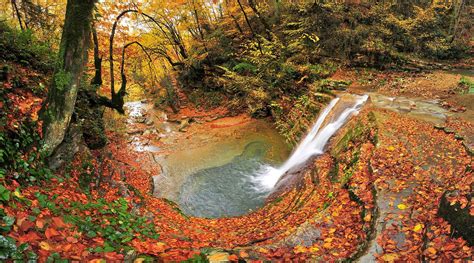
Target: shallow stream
[[227, 167]]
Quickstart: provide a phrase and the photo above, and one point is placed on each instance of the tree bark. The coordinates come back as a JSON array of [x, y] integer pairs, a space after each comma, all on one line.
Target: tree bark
[[97, 80], [458, 7], [18, 15], [72, 59]]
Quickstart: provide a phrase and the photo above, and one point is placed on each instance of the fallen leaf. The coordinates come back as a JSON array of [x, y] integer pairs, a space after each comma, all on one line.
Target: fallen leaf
[[390, 257], [71, 239], [40, 223], [58, 222], [418, 228], [45, 246], [233, 258], [31, 236], [51, 232], [402, 206]]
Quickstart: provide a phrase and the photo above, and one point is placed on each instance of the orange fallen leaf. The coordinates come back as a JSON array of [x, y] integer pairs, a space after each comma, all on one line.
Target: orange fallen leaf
[[58, 222], [51, 232], [243, 254], [31, 236], [67, 247], [233, 258], [431, 250], [40, 223], [71, 239]]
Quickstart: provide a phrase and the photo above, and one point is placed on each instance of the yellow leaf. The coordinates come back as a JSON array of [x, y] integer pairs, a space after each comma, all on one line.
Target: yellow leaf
[[390, 257], [17, 193], [418, 228], [218, 257], [327, 245], [431, 250], [300, 249], [139, 260], [367, 218], [402, 206], [391, 148], [45, 246], [314, 249]]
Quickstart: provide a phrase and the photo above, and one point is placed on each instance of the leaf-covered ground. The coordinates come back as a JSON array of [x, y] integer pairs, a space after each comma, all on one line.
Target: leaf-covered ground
[[375, 194]]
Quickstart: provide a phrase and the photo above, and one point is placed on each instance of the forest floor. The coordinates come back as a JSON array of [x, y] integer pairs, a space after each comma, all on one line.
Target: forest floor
[[385, 210]]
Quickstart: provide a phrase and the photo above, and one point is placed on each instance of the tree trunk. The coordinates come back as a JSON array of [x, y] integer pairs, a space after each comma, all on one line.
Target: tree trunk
[[458, 7], [97, 80], [59, 106], [18, 15]]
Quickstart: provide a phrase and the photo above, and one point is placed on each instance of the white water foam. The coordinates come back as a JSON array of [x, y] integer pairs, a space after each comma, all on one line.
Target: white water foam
[[312, 144]]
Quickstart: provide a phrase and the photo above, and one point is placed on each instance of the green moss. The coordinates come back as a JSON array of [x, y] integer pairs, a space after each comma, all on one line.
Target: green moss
[[62, 80]]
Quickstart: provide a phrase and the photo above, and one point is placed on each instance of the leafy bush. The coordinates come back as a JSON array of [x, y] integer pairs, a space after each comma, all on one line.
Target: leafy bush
[[112, 221], [244, 67], [16, 158], [24, 48]]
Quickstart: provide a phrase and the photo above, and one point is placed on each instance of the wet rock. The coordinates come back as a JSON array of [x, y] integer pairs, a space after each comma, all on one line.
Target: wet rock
[[457, 214], [72, 143], [469, 147], [140, 120], [130, 256], [305, 235], [149, 122], [133, 132], [184, 124], [147, 132]]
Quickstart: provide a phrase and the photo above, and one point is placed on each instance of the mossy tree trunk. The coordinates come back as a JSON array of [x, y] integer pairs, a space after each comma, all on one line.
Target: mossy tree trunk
[[72, 59]]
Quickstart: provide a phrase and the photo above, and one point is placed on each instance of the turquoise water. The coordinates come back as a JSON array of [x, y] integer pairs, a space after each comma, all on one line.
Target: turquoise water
[[227, 190]]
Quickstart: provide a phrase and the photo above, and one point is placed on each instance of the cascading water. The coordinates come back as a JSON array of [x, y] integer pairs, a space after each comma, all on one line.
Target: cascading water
[[243, 184], [312, 144]]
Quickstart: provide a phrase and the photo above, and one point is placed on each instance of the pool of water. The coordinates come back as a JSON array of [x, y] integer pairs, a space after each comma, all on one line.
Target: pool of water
[[210, 170], [229, 189]]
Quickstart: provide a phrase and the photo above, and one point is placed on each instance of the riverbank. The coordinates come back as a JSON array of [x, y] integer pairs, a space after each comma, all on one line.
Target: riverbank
[[391, 163], [264, 238]]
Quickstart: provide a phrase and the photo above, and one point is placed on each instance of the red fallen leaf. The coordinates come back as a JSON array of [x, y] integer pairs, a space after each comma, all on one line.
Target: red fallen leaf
[[31, 236], [43, 253], [71, 239], [99, 240], [51, 232], [26, 225], [113, 256], [58, 222], [233, 258], [449, 247]]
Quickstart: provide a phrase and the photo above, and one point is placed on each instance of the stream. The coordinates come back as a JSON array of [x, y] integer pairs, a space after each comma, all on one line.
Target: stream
[[228, 167]]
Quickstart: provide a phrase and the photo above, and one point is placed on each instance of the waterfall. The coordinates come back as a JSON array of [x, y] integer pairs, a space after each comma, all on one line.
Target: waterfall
[[313, 143]]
